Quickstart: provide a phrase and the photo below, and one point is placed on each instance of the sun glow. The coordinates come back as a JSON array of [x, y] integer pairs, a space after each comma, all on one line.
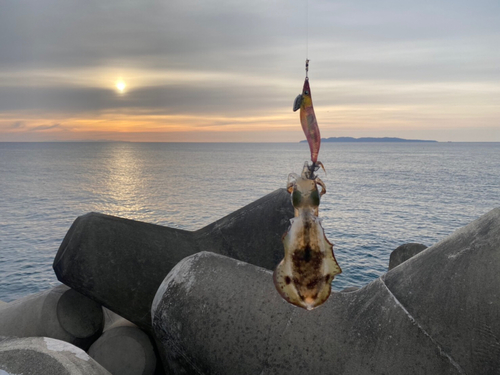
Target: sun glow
[[120, 85]]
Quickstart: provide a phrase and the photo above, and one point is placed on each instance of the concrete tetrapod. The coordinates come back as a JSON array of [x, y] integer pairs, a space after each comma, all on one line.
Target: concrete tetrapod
[[404, 252], [123, 349], [60, 313], [45, 356], [121, 263], [437, 313], [112, 320]]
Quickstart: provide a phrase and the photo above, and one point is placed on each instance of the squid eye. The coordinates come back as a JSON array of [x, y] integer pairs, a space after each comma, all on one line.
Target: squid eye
[[296, 198], [315, 198], [306, 92]]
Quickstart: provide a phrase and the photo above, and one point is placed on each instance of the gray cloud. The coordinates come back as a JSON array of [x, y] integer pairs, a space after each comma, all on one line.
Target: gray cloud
[[167, 99], [47, 127], [383, 43], [18, 125], [221, 34], [72, 33], [51, 99], [238, 99]]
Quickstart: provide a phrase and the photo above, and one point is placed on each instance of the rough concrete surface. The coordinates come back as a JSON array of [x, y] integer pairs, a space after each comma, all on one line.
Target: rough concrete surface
[[438, 313], [112, 320], [123, 349], [350, 289], [452, 290], [60, 313], [45, 356], [120, 263], [404, 252]]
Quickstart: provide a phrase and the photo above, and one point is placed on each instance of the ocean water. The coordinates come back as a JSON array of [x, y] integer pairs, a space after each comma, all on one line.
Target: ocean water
[[379, 195]]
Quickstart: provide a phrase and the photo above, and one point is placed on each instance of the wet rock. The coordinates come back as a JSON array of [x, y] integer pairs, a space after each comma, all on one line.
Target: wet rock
[[120, 263], [60, 313], [437, 313], [404, 252], [45, 356]]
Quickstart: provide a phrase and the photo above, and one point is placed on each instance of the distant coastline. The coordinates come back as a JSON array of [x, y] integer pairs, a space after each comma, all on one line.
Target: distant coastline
[[370, 139]]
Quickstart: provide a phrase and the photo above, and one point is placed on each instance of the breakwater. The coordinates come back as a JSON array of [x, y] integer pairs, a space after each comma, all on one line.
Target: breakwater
[[203, 302]]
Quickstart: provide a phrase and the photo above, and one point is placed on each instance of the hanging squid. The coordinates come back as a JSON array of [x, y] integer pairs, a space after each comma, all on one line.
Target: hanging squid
[[304, 276]]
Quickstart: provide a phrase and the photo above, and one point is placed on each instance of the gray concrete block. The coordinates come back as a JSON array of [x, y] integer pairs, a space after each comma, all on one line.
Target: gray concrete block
[[112, 320], [404, 252], [253, 233], [60, 313], [124, 350], [45, 356], [452, 290], [215, 315], [438, 313], [350, 289], [120, 263]]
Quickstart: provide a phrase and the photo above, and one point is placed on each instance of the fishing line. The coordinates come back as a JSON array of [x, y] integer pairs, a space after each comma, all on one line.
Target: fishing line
[[307, 38], [307, 29]]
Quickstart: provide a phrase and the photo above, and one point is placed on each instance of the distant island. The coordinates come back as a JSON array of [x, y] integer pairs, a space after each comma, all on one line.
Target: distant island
[[369, 139]]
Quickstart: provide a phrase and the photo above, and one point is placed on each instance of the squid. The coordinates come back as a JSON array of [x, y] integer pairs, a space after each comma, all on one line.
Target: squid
[[304, 276]]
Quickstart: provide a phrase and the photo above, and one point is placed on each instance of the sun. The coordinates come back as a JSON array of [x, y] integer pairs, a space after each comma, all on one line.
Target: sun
[[120, 85]]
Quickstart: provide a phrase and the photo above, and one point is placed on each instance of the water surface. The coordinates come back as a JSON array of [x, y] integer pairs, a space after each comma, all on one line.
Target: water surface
[[380, 195]]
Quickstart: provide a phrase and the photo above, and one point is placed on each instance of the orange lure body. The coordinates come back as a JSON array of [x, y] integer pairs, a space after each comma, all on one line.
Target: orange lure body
[[308, 120]]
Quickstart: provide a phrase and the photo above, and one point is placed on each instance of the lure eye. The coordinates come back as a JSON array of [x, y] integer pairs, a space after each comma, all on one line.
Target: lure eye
[[306, 92], [298, 102]]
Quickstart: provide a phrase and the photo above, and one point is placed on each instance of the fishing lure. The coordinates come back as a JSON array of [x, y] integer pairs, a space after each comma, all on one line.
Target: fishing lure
[[304, 276], [308, 118]]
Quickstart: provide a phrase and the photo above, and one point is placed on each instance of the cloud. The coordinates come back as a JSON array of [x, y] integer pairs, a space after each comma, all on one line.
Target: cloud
[[47, 127], [222, 97], [59, 57], [18, 125], [369, 40], [218, 35], [71, 33]]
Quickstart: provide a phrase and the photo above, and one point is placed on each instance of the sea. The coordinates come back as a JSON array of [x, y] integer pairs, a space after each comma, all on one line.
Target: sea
[[379, 195]]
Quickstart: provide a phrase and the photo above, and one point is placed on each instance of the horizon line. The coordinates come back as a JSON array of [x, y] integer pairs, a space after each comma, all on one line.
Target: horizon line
[[229, 142]]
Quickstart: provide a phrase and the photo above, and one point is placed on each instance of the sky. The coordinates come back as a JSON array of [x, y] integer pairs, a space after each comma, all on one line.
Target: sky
[[229, 71]]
